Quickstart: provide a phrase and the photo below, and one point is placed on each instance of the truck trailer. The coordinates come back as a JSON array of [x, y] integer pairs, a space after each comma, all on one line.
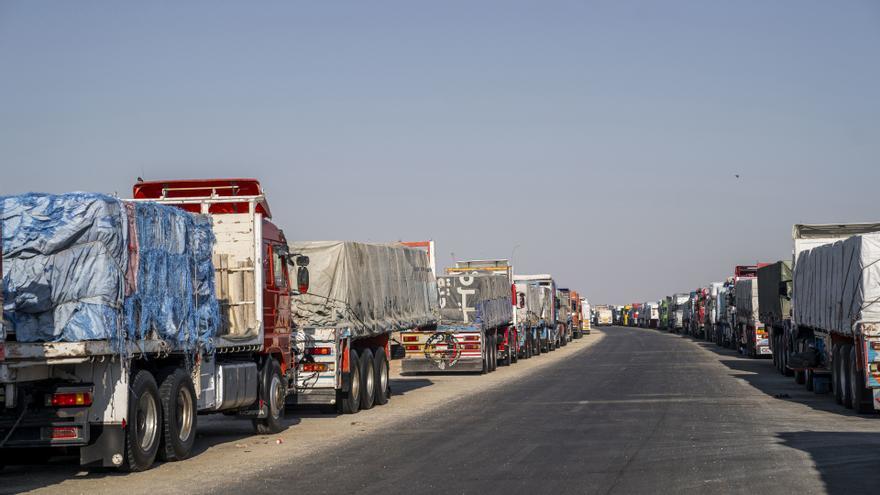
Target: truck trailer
[[162, 314], [360, 294], [835, 323], [547, 327]]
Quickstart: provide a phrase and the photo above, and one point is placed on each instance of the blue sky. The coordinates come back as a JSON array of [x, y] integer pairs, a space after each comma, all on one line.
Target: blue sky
[[600, 137]]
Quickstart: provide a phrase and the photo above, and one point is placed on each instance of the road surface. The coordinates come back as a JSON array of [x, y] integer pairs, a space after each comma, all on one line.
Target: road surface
[[621, 411], [642, 411]]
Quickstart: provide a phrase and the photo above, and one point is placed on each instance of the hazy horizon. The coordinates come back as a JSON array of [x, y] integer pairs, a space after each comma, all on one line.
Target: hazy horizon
[[604, 139]]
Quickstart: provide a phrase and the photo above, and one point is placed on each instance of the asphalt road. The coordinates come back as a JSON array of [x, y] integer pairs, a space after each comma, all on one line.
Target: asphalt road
[[641, 411]]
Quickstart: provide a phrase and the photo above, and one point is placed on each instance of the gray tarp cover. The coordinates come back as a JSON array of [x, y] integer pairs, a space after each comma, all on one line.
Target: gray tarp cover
[[482, 300], [837, 284], [747, 300], [530, 304], [772, 306], [370, 288]]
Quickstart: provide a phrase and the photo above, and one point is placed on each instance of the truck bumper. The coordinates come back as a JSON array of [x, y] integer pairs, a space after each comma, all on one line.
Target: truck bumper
[[313, 396], [422, 365]]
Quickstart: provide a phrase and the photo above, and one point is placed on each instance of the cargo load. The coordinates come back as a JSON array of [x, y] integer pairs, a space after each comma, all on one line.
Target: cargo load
[[838, 284], [481, 300], [529, 304], [371, 289], [746, 300], [774, 287], [84, 266]]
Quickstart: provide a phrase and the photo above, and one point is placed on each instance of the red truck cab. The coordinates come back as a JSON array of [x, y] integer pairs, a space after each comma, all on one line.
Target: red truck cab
[[276, 283]]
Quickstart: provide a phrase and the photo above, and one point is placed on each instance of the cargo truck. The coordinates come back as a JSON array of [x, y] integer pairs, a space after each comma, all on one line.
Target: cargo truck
[[547, 324], [162, 314], [586, 316], [603, 315], [834, 325], [564, 315], [577, 329], [529, 313], [677, 308], [774, 309], [476, 331], [360, 294], [751, 336]]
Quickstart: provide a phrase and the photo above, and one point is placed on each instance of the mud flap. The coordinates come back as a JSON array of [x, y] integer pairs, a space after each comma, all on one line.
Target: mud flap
[[107, 449]]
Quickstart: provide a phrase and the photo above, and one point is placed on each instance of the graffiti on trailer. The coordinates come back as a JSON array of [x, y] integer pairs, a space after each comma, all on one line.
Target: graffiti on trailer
[[463, 292], [443, 350]]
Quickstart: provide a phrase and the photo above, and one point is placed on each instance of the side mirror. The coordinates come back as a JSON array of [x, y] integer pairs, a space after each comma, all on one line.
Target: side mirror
[[783, 289], [302, 279], [302, 260]]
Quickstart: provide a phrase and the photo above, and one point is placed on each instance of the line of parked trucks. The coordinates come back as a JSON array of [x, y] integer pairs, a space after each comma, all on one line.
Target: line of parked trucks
[[124, 320], [817, 315]]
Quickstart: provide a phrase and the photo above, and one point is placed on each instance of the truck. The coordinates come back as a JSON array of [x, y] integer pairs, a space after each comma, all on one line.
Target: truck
[[547, 326], [172, 305], [586, 316], [677, 306], [475, 331], [360, 294], [652, 314], [774, 309], [603, 315], [577, 327], [835, 337], [530, 310], [564, 316], [711, 332], [664, 313], [750, 333]]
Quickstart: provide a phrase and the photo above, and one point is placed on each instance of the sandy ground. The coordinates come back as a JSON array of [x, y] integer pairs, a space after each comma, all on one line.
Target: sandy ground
[[227, 449]]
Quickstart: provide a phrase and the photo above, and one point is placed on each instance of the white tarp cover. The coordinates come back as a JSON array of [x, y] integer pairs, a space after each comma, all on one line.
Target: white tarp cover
[[746, 290], [481, 300], [837, 284], [371, 289], [529, 305]]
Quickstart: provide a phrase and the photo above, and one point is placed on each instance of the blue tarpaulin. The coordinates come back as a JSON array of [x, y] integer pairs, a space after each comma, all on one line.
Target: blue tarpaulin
[[84, 266]]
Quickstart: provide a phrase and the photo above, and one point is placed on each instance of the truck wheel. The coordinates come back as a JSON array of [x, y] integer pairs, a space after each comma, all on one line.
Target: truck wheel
[[485, 356], [493, 353], [143, 431], [513, 349], [847, 376], [274, 392], [179, 411], [808, 380], [862, 398], [368, 380], [350, 403], [837, 374], [383, 384]]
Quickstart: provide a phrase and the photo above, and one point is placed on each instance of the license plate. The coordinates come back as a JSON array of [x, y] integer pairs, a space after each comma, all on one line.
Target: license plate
[[764, 350]]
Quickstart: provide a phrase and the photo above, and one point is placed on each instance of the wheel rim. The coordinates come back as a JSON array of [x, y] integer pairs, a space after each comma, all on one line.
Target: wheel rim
[[356, 385], [184, 414], [370, 381], [383, 378], [276, 396], [147, 421]]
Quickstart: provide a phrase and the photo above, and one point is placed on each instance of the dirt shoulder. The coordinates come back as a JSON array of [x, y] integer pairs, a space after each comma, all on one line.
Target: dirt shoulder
[[227, 449]]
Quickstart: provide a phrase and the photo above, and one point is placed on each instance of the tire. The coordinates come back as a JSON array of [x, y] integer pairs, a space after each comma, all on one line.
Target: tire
[[274, 392], [383, 382], [775, 356], [837, 375], [180, 416], [847, 377], [144, 430], [513, 353], [486, 365], [368, 380], [350, 402], [493, 352], [862, 398]]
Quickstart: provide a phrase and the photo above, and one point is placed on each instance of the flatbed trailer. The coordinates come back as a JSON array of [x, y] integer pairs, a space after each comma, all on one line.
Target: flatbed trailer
[[120, 404]]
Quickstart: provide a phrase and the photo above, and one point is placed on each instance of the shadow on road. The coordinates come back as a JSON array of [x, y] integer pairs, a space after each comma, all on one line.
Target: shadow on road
[[403, 386], [35, 472], [847, 462]]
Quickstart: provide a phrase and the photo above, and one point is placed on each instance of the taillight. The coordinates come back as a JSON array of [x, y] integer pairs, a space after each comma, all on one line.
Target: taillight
[[412, 347], [410, 338], [315, 367], [69, 399], [471, 338], [64, 432], [470, 347], [319, 351]]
